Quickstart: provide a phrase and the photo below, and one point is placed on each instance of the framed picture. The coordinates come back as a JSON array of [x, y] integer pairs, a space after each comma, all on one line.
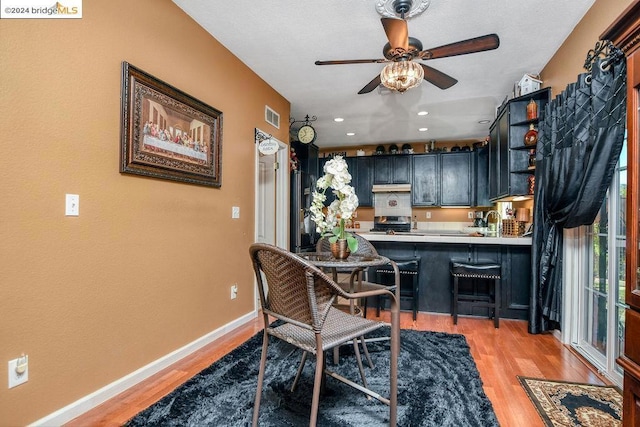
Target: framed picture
[[166, 133]]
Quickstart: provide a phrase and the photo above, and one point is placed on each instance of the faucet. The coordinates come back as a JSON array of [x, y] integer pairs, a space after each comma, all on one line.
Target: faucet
[[498, 217]]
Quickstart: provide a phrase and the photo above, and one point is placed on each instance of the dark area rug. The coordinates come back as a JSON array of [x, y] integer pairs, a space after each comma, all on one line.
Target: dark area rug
[[574, 404], [438, 385]]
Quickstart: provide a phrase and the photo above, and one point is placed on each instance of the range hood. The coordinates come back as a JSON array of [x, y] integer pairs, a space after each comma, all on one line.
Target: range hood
[[391, 188]]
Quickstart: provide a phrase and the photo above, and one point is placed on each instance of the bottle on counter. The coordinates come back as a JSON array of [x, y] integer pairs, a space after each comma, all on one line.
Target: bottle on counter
[[415, 222]]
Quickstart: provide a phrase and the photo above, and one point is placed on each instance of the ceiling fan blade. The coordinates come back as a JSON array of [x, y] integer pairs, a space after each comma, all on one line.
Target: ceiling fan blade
[[353, 61], [371, 85], [438, 78], [397, 32], [477, 44]]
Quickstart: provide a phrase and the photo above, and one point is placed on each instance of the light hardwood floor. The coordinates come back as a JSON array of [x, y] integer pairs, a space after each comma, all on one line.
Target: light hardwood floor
[[500, 354]]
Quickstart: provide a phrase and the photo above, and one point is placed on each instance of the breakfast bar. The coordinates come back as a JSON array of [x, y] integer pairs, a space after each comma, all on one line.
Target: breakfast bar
[[436, 249]]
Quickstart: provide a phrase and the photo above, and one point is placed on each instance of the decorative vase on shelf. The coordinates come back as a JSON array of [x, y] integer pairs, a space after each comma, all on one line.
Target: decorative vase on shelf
[[340, 249], [531, 137], [532, 110]]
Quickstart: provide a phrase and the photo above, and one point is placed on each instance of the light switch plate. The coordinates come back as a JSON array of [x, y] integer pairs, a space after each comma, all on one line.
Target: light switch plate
[[72, 205], [235, 212]]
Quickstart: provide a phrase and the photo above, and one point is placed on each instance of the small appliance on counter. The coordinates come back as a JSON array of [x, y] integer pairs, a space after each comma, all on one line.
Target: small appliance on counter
[[478, 220]]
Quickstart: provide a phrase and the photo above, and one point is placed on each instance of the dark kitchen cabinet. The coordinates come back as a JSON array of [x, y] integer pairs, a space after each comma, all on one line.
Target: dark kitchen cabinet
[[455, 179], [435, 278], [393, 169], [509, 171], [361, 170], [308, 158], [426, 176], [480, 176], [363, 180]]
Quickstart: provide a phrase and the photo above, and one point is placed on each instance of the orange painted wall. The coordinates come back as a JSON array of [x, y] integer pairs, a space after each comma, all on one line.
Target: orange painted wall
[[147, 266], [565, 65]]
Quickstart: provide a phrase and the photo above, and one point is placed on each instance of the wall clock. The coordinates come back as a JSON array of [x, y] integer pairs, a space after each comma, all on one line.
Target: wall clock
[[306, 134]]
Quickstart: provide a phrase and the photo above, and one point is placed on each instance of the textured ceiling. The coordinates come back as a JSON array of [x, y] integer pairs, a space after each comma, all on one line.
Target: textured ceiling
[[281, 39]]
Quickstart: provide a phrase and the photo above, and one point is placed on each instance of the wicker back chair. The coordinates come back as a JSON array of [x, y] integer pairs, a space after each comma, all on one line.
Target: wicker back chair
[[301, 296]]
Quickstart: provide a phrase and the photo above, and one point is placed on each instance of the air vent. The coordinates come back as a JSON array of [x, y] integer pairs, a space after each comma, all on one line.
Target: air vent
[[271, 117]]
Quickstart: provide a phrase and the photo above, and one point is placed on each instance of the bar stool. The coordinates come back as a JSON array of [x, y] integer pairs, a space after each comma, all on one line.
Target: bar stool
[[407, 267], [485, 270]]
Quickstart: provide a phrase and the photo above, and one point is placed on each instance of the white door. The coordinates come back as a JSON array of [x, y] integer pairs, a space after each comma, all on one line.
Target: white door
[[266, 212], [272, 196]]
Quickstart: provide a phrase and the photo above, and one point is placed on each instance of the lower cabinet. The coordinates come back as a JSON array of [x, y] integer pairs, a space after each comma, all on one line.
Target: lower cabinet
[[435, 278]]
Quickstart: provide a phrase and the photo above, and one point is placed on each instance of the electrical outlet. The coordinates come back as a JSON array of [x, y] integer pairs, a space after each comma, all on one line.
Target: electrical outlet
[[428, 215], [470, 215], [234, 291], [18, 371], [235, 212]]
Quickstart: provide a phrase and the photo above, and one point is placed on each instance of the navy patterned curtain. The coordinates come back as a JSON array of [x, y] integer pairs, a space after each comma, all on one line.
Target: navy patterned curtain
[[580, 135]]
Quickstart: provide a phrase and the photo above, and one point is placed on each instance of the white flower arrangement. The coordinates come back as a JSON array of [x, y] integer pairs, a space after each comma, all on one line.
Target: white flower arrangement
[[332, 225]]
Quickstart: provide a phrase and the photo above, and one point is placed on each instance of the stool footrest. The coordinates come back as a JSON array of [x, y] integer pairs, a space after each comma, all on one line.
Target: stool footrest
[[414, 272]]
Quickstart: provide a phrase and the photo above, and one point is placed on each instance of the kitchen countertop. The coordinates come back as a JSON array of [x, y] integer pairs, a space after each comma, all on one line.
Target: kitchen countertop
[[442, 236]]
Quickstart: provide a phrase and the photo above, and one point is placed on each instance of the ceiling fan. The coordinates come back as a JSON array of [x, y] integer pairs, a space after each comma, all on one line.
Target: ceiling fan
[[402, 50]]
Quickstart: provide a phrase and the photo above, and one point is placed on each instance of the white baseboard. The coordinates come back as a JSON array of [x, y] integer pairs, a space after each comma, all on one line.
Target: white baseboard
[[109, 391]]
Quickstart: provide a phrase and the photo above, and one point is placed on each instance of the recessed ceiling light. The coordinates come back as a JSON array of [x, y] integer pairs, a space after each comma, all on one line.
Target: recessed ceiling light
[[423, 129], [484, 122], [338, 119], [350, 133], [423, 113]]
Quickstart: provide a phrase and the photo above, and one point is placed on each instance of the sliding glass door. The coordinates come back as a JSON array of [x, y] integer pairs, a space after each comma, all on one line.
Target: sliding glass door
[[601, 320]]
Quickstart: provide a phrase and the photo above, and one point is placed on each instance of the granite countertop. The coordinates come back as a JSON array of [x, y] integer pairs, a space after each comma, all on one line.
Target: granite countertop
[[443, 236]]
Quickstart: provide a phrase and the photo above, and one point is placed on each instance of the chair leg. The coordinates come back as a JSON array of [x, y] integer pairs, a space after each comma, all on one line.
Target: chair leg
[[317, 385], [263, 363], [455, 300], [359, 360], [300, 368], [496, 300], [414, 302], [365, 350]]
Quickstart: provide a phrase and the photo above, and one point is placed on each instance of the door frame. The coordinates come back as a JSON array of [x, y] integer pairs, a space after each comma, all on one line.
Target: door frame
[[282, 196]]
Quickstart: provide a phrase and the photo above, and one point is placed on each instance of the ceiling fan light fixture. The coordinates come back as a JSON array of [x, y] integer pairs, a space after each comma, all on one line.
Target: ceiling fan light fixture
[[401, 75], [397, 8]]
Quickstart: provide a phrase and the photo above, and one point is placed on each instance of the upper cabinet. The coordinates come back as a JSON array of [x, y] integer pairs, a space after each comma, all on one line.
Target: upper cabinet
[[361, 170], [392, 169], [455, 179], [480, 176], [509, 171], [363, 180], [425, 188], [437, 179], [442, 179]]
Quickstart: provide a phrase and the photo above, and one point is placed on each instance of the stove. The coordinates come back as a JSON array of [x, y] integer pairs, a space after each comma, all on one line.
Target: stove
[[391, 223]]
